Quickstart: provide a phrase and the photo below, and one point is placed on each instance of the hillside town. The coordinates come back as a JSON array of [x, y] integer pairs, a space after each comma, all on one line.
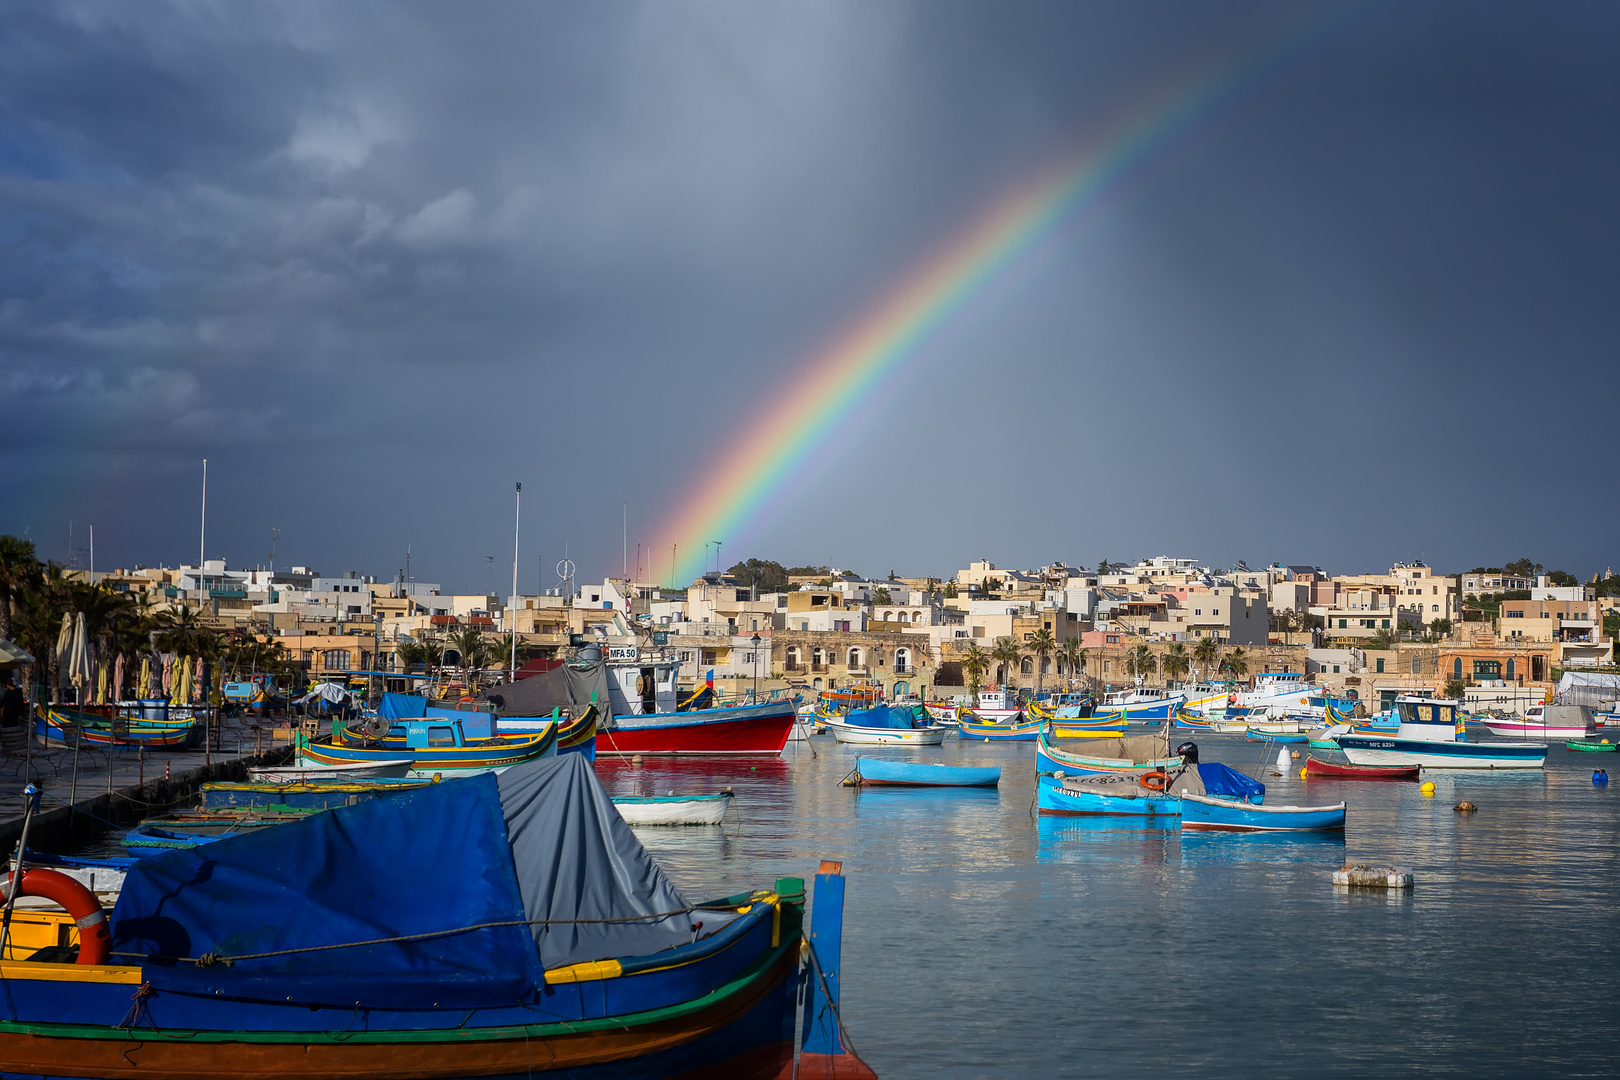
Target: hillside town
[[1496, 638]]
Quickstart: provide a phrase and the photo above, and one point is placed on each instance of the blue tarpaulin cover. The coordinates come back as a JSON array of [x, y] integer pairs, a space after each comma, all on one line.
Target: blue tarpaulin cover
[[403, 706], [542, 842], [883, 716], [1220, 780]]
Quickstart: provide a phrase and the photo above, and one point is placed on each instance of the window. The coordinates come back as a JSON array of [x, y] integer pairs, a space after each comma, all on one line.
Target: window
[[1386, 624], [441, 736], [855, 658], [335, 659], [1335, 669], [1026, 666], [1215, 611], [1456, 667], [1198, 611], [686, 656], [902, 661], [1108, 665], [1510, 671], [1028, 636], [1490, 669]]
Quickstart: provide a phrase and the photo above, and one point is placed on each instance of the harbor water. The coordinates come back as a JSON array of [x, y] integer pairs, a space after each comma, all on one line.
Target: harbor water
[[982, 941]]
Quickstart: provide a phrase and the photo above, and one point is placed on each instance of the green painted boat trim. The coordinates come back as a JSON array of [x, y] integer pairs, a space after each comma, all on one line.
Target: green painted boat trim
[[429, 1035], [1592, 747]]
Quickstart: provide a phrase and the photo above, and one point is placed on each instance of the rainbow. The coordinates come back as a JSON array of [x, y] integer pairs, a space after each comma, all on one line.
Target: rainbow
[[755, 473]]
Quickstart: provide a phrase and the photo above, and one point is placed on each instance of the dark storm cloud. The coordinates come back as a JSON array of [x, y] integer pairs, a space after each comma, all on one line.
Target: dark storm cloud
[[377, 262]]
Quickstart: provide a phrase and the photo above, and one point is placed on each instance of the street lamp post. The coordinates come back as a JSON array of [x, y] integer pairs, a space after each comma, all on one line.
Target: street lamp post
[[755, 640]]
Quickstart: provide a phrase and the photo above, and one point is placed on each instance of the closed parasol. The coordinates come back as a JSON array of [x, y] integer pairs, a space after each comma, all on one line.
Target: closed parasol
[[143, 685], [79, 673], [118, 678]]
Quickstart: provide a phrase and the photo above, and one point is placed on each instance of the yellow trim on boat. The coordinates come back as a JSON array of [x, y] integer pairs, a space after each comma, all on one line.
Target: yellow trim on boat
[[589, 971], [83, 973]]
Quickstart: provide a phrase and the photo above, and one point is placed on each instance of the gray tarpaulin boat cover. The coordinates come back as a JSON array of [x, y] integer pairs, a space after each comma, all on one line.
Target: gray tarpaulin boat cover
[[568, 688], [377, 902], [1593, 689]]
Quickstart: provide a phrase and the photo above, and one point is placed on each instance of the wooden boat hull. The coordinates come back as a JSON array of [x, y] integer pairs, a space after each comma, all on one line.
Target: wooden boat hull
[[1016, 731], [484, 755], [673, 810], [749, 730], [1286, 738], [1373, 750], [304, 773], [1049, 758], [1051, 797], [875, 772], [300, 797], [1315, 766], [1226, 815]]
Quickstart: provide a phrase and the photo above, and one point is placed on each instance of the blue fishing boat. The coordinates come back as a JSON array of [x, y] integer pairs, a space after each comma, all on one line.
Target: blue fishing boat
[[1428, 732], [1228, 815], [1152, 794], [877, 772], [1129, 755], [551, 945], [1289, 737], [1141, 703], [437, 746]]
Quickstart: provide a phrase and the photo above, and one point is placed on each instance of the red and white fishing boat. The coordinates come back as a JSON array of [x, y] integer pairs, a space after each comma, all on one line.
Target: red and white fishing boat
[[994, 707], [1337, 770], [646, 719]]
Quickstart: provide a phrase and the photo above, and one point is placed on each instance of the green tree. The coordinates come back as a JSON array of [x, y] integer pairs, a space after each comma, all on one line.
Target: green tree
[[975, 662], [1041, 645], [19, 568], [1454, 689], [474, 649], [766, 575], [1070, 653], [1007, 652], [409, 654], [1235, 664], [881, 596], [950, 589], [1440, 628], [1140, 662], [1561, 578], [1206, 653], [1176, 662], [1523, 568]]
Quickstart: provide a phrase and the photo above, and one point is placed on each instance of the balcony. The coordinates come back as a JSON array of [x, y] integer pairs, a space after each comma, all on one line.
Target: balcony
[[818, 669], [793, 668]]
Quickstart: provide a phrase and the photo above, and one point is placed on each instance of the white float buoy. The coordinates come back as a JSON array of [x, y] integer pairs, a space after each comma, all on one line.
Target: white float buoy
[[1282, 761]]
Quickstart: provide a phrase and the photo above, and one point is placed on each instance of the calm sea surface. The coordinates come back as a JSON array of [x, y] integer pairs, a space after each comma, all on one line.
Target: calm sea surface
[[982, 941]]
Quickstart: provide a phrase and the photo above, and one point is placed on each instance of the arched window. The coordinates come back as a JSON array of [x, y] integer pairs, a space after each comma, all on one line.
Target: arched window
[[902, 660], [793, 657], [1046, 665], [817, 657], [816, 683], [888, 615], [1026, 666], [1510, 669], [903, 616], [854, 658], [1456, 667]]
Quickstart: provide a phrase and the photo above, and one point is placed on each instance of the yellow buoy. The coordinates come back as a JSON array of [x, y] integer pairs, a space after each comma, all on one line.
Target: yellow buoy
[[1605, 742], [1302, 774], [1427, 789], [1296, 755]]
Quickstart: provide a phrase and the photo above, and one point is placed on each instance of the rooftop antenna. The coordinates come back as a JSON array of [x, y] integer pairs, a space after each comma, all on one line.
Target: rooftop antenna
[[275, 534]]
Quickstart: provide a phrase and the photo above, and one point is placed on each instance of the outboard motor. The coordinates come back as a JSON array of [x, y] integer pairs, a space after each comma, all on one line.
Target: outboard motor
[[1188, 752]]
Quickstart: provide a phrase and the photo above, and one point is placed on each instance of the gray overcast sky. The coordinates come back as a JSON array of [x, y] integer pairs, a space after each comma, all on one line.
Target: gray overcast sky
[[377, 262]]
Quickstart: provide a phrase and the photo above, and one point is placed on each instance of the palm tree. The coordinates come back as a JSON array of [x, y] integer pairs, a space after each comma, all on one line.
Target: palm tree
[[1041, 644], [1206, 653], [975, 662], [18, 568], [1141, 662], [409, 654], [1069, 652], [1176, 662], [1235, 664], [469, 642], [1007, 653]]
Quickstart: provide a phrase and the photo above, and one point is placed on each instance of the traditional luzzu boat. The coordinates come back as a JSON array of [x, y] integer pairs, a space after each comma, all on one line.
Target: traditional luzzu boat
[[302, 797], [971, 725], [993, 706], [1338, 770], [553, 946], [888, 725], [306, 772], [436, 746], [65, 726], [1231, 815], [575, 734], [1429, 733], [876, 772], [1274, 733], [1159, 793], [1584, 746], [1129, 755], [1077, 727]]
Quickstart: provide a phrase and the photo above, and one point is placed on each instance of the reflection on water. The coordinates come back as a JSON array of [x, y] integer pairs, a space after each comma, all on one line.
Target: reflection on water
[[982, 941]]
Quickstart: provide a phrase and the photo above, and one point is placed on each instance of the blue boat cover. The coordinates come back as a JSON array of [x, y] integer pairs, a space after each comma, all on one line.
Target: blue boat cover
[[883, 716], [403, 706], [1220, 780], [542, 842]]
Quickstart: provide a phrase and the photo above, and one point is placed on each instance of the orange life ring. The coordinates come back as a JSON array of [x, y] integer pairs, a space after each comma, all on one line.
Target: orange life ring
[[79, 902], [1153, 781]]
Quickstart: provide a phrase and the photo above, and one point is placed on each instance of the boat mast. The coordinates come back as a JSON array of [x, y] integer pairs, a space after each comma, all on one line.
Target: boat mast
[[517, 519]]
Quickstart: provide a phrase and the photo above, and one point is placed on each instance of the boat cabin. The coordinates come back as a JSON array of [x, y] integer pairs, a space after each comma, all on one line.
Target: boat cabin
[[642, 689], [997, 699], [433, 732]]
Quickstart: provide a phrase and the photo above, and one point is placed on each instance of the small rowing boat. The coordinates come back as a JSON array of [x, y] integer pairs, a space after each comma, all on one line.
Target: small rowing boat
[[674, 809], [1604, 747], [887, 725], [1315, 766], [1227, 815], [873, 772], [360, 772]]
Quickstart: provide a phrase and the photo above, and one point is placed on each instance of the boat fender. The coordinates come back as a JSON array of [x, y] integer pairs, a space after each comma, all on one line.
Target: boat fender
[[79, 902], [1153, 781], [1600, 777]]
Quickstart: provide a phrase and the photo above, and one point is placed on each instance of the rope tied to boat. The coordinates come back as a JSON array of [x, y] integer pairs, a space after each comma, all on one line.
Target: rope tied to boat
[[221, 960]]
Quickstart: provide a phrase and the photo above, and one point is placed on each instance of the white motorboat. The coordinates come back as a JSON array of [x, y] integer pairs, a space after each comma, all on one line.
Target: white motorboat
[[1545, 722], [1429, 734], [994, 707], [844, 732]]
